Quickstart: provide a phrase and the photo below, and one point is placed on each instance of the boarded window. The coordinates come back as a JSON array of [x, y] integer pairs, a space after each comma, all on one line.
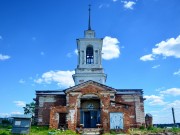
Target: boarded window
[[116, 120]]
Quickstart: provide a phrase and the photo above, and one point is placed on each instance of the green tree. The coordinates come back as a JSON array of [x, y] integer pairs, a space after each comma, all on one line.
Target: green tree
[[29, 109]]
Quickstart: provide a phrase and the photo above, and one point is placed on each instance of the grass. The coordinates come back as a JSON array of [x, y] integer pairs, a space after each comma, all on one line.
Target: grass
[[147, 131], [175, 130], [39, 130], [35, 130], [5, 130], [153, 130]]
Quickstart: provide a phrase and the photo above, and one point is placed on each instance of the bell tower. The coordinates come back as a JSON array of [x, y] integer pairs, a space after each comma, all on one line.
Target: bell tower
[[89, 57]]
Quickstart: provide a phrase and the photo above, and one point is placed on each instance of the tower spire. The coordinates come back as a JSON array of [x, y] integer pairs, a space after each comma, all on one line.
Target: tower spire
[[89, 22]]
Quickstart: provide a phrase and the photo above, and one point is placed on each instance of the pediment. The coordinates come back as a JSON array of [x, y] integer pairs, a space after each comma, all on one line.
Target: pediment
[[90, 86]]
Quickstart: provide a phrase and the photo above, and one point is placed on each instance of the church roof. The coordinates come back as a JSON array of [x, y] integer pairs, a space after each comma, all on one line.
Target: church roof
[[129, 91], [50, 92], [73, 88], [87, 83]]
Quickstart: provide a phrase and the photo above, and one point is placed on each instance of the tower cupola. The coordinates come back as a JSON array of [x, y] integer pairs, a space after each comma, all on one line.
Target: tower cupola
[[89, 57]]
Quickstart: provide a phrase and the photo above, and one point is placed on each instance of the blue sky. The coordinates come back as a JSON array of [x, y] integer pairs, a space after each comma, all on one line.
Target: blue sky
[[141, 49]]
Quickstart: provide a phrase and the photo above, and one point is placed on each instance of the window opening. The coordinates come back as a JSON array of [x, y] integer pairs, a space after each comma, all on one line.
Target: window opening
[[89, 55]]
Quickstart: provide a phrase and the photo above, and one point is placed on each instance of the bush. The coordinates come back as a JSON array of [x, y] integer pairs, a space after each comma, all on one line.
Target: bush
[[156, 130], [142, 127], [39, 130], [4, 132], [113, 132], [150, 128], [175, 130], [6, 122]]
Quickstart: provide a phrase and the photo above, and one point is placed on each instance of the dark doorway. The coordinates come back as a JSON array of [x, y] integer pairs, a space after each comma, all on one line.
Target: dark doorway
[[93, 119], [90, 111], [87, 119], [62, 120], [90, 119]]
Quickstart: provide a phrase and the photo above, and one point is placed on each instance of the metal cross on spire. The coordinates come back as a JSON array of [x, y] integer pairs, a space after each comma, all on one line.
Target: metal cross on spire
[[89, 23]]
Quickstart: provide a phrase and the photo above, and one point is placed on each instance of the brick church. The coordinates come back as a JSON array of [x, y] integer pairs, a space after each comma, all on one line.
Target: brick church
[[90, 104]]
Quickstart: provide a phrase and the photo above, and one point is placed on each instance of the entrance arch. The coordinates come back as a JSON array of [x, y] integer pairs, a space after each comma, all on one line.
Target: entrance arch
[[90, 111]]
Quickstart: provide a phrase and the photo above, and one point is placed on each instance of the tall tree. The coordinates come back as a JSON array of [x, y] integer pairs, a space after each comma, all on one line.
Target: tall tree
[[29, 109]]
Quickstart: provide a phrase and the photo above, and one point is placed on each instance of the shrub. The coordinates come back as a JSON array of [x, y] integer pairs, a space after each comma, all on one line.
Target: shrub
[[113, 132], [150, 128], [156, 130], [6, 122], [175, 130], [142, 127], [4, 132]]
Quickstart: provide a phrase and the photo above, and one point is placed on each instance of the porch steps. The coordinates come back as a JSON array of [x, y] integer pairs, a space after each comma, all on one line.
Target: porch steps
[[91, 131]]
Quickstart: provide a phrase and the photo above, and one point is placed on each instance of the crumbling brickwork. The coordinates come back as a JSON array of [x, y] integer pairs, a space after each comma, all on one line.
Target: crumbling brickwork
[[44, 102], [105, 99], [54, 115]]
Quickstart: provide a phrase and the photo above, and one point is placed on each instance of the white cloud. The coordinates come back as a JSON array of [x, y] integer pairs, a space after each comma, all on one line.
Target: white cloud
[[114, 0], [159, 89], [4, 115], [104, 6], [7, 115], [110, 48], [4, 57], [42, 53], [20, 103], [155, 100], [156, 66], [128, 4], [21, 81], [69, 55], [168, 108], [76, 51], [148, 57], [177, 72], [162, 114], [1, 38], [175, 104], [16, 112], [171, 91], [170, 47], [34, 38], [62, 78]]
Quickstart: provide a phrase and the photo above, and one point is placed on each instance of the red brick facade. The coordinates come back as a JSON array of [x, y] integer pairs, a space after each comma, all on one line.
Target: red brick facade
[[50, 106]]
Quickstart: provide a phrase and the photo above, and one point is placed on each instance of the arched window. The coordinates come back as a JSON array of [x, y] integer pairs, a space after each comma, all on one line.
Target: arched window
[[89, 55]]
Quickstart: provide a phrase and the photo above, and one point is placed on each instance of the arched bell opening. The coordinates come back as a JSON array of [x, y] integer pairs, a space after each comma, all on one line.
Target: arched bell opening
[[89, 55]]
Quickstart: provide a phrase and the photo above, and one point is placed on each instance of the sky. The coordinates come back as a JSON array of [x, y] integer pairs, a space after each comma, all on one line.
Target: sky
[[141, 49]]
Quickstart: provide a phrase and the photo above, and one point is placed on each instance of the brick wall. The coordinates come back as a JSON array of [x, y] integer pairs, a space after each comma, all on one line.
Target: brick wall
[[54, 115], [136, 111], [43, 105], [50, 106], [105, 106]]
